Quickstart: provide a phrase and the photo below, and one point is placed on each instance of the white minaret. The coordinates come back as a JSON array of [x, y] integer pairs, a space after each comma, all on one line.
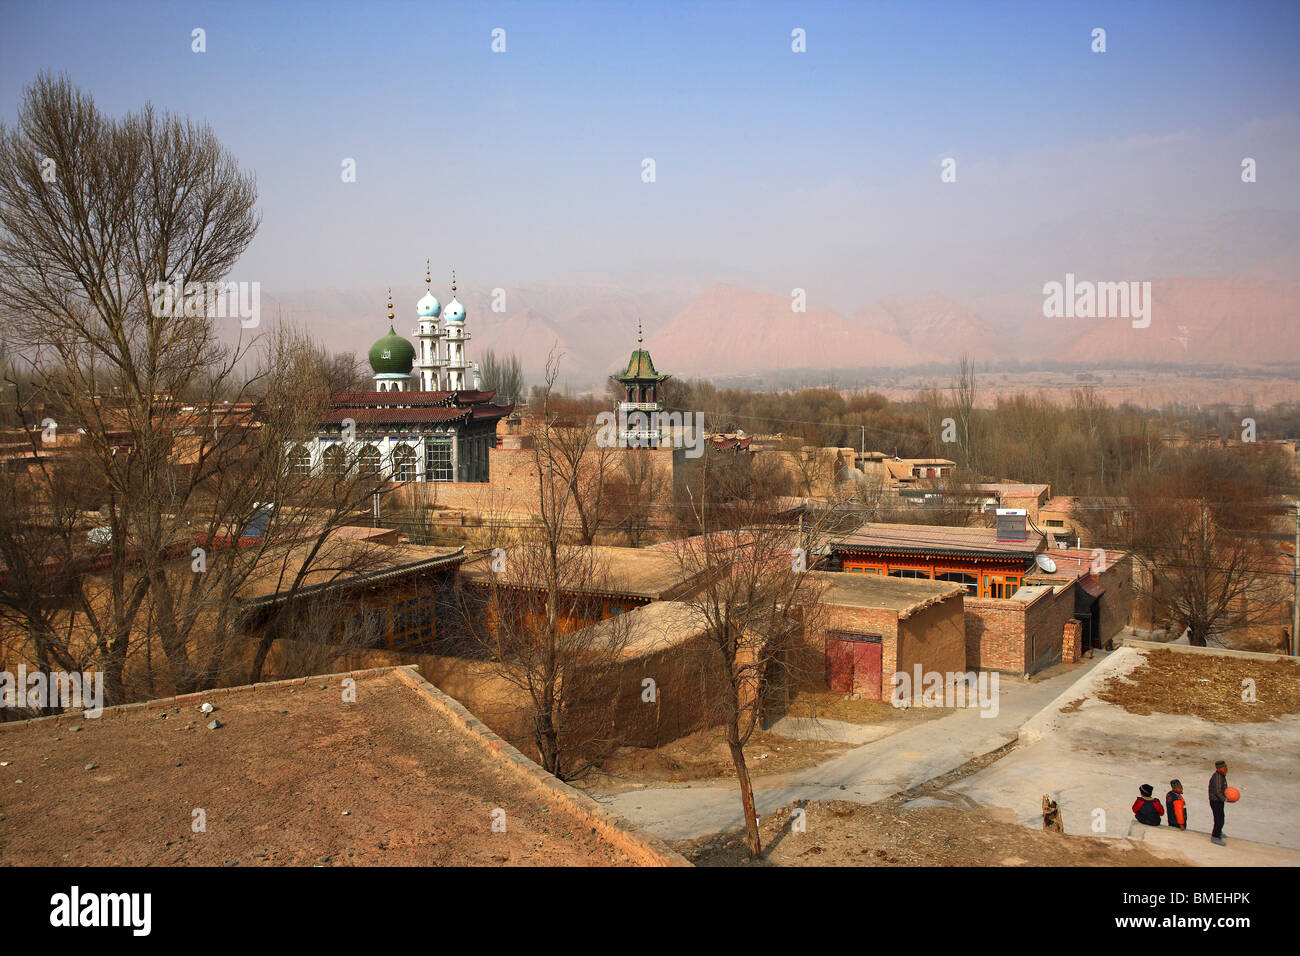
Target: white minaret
[[453, 318], [428, 361]]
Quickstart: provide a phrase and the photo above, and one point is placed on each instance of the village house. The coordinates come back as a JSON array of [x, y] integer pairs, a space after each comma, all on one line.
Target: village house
[[874, 626], [984, 564], [622, 580], [1022, 610], [370, 592]]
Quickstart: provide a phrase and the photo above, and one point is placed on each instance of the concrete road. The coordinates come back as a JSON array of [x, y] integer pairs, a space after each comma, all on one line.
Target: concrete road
[[876, 770], [1092, 759]]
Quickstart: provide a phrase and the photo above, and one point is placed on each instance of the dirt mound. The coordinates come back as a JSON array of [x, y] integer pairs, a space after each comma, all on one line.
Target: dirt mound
[[1208, 686]]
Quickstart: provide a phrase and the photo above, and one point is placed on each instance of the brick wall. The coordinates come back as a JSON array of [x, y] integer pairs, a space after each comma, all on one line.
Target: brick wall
[[1071, 641], [1016, 636]]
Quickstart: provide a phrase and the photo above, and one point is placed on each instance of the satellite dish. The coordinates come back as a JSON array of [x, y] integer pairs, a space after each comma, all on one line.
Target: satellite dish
[[1046, 563]]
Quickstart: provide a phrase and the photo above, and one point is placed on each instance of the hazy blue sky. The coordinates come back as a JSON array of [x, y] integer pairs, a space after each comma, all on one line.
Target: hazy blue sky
[[818, 169]]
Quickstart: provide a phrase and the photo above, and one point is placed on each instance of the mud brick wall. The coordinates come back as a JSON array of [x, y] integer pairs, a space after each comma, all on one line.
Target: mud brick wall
[[935, 638], [1117, 604], [512, 487]]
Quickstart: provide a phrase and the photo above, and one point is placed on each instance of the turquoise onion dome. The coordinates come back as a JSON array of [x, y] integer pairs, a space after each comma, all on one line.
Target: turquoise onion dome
[[428, 307], [455, 313]]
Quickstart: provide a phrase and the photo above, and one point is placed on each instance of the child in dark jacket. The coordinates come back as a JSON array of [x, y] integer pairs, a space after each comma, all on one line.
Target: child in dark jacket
[[1145, 809], [1177, 805]]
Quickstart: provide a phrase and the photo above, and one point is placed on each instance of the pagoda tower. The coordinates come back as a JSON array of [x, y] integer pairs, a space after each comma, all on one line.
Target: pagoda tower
[[640, 406]]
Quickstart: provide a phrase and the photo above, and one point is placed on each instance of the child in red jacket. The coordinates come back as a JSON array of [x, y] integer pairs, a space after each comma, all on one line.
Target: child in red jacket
[[1145, 809], [1177, 805]]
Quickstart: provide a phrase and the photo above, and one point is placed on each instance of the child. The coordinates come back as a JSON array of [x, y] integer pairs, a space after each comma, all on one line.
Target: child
[[1177, 805], [1218, 794], [1145, 809]]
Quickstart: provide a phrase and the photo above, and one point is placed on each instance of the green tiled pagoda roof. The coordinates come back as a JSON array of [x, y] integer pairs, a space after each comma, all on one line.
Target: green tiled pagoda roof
[[640, 368]]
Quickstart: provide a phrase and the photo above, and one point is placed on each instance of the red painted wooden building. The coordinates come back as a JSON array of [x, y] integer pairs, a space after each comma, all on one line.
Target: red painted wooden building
[[976, 558]]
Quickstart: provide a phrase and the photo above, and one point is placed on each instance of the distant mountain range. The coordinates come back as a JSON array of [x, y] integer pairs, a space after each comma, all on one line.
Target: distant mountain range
[[728, 330]]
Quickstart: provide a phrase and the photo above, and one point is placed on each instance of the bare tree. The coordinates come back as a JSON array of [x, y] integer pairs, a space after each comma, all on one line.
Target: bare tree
[[964, 393], [505, 374], [532, 619], [1201, 529], [812, 468], [571, 442], [96, 214], [43, 541], [641, 498], [757, 604]]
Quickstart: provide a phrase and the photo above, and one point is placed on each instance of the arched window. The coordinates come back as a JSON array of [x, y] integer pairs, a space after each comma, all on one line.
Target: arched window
[[404, 463], [368, 462], [300, 462], [334, 462]]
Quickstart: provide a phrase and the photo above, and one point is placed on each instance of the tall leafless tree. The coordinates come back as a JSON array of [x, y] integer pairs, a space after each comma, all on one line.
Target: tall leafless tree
[[757, 605], [543, 591], [96, 214], [1202, 528]]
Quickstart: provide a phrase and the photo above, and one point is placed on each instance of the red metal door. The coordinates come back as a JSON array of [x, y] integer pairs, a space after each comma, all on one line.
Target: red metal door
[[839, 665], [853, 667], [866, 669]]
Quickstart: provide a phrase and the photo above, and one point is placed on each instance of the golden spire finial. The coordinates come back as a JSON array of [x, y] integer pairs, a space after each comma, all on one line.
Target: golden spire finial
[[428, 278], [390, 306], [453, 281], [638, 331]]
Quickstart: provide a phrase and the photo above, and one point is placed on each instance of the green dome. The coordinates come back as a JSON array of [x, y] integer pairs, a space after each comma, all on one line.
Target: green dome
[[392, 354]]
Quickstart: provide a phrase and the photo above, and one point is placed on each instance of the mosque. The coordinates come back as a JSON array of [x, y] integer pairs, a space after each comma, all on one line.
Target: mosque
[[421, 422], [439, 363]]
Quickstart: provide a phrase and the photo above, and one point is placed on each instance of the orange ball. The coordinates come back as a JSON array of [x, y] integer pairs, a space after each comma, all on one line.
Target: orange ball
[[1231, 794]]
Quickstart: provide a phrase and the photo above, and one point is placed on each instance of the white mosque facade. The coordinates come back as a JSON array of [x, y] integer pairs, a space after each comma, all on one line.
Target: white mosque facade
[[422, 422]]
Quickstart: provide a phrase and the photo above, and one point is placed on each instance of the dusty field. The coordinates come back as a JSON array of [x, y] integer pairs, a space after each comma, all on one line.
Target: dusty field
[[1205, 686], [293, 777], [704, 756], [1146, 387], [883, 834]]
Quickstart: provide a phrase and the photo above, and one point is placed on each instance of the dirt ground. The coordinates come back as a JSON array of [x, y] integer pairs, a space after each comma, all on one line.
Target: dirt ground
[[704, 756], [1207, 686], [816, 700], [885, 834], [294, 776]]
